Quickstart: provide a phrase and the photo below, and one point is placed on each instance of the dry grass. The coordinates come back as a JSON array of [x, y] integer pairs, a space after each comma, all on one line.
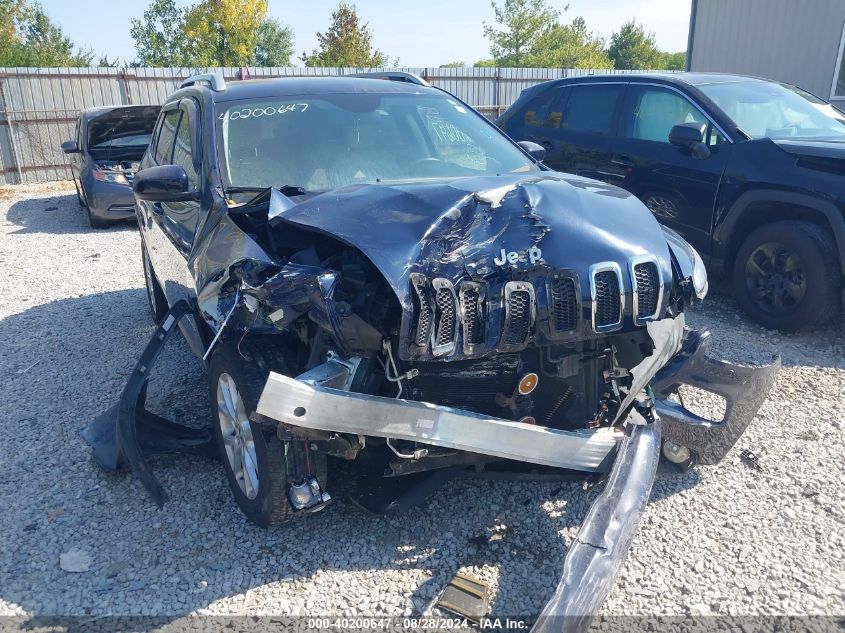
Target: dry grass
[[8, 192]]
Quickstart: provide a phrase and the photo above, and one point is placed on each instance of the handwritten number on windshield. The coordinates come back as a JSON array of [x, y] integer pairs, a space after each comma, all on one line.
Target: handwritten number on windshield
[[247, 113]]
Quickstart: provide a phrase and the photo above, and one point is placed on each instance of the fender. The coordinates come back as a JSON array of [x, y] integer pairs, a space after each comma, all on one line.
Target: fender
[[724, 230]]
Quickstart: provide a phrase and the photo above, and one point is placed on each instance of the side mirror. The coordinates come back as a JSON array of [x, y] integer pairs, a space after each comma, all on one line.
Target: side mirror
[[690, 136], [70, 147], [163, 183], [537, 152]]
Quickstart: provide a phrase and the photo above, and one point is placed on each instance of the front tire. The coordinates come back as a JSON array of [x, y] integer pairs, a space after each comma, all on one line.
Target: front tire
[[787, 275], [253, 456]]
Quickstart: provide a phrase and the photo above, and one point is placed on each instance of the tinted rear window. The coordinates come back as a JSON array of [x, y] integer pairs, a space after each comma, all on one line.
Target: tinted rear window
[[591, 108]]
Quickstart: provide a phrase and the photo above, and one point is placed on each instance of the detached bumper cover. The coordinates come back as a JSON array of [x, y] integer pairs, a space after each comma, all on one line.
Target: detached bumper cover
[[744, 388], [597, 554], [603, 541]]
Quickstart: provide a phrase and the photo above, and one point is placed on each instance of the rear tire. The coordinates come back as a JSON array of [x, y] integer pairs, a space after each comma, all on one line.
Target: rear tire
[[260, 485], [155, 295], [78, 194], [787, 275]]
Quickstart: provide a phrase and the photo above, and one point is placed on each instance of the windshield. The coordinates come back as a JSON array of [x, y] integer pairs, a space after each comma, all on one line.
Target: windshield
[[327, 141], [772, 110]]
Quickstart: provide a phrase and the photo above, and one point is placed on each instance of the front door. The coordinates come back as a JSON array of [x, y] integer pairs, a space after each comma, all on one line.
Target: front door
[[679, 189], [169, 227]]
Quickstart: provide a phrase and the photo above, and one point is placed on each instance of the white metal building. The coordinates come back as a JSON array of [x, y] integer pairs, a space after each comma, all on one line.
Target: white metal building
[[796, 41]]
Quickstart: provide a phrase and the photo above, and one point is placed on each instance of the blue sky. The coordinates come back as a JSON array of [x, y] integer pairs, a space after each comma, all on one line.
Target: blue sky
[[425, 33]]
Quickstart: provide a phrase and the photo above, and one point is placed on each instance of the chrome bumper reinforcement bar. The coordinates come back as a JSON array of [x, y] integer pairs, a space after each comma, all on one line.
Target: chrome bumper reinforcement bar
[[307, 403]]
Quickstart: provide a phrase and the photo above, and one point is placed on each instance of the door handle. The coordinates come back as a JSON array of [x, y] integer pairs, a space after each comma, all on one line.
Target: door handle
[[157, 208], [622, 161]]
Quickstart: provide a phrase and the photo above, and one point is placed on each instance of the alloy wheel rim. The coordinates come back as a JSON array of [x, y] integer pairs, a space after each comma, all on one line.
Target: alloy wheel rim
[[237, 435], [775, 278]]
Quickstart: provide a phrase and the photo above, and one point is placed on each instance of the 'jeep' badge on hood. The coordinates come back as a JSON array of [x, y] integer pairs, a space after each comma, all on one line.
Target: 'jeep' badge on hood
[[532, 256]]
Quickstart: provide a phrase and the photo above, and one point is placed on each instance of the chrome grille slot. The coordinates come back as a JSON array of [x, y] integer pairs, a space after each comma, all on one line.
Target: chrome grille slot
[[425, 312], [445, 317], [606, 291], [563, 308], [519, 314], [472, 297]]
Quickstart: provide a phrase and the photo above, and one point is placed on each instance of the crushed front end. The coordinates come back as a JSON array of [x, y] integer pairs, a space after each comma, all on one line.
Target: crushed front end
[[440, 325]]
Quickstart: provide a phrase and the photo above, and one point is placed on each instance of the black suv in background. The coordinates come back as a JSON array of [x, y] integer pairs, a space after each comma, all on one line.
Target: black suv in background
[[750, 172]]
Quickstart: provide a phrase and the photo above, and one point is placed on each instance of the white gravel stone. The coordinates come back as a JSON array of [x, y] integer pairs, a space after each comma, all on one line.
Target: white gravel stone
[[73, 319]]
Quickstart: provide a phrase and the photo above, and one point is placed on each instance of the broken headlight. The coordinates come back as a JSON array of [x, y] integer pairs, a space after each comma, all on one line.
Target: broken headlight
[[699, 275]]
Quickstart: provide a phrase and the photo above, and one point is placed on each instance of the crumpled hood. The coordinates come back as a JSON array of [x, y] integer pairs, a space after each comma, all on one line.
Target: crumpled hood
[[478, 227]]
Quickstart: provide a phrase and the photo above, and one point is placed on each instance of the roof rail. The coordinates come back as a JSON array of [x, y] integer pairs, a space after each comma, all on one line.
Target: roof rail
[[214, 80], [393, 75]]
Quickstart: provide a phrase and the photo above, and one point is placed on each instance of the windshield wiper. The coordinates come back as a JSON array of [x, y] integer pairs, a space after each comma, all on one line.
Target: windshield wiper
[[288, 190]]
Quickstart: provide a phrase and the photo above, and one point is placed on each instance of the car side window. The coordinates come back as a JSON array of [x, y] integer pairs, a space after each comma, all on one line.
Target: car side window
[[591, 108], [183, 151], [657, 110], [546, 110], [166, 137]]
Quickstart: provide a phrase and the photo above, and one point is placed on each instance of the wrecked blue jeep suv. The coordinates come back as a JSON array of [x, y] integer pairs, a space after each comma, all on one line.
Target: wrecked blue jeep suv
[[371, 268]]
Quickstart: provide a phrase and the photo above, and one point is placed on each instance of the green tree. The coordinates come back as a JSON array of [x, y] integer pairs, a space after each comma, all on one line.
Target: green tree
[[631, 48], [673, 61], [223, 32], [348, 42], [485, 63], [568, 46], [29, 38], [453, 65], [523, 22], [104, 61], [159, 35], [274, 44]]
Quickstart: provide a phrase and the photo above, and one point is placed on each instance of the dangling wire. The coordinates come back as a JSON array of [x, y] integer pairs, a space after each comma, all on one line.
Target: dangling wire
[[223, 325]]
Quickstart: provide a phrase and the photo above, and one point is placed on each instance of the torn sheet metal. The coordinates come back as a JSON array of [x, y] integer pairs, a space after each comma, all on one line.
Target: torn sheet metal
[[446, 229]]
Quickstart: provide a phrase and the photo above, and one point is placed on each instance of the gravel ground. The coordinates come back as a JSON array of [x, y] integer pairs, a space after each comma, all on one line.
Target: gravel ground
[[73, 319]]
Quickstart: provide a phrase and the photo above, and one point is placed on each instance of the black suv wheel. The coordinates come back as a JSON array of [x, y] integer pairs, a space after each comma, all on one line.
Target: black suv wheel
[[787, 275]]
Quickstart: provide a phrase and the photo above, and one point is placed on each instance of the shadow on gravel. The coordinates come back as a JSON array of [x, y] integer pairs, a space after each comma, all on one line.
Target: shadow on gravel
[[67, 361], [57, 214]]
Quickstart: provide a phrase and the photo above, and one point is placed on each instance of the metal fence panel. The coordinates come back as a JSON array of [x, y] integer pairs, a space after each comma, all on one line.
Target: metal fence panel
[[39, 106]]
